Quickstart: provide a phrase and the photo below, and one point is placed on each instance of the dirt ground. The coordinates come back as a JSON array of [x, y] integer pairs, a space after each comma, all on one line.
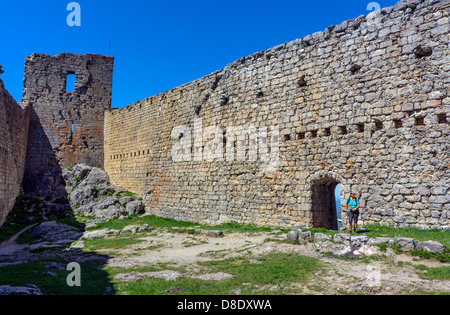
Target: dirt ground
[[392, 274]]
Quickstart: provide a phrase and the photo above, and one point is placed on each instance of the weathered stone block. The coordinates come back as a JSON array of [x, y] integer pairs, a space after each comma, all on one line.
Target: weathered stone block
[[135, 207], [342, 238], [380, 240], [292, 235], [405, 243], [304, 236], [320, 237], [358, 241], [431, 246]]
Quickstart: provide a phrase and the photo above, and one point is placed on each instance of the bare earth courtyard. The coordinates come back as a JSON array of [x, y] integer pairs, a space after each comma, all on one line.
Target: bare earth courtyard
[[195, 260], [339, 276]]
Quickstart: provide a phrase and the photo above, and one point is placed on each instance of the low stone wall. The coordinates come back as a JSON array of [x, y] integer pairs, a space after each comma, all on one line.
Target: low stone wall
[[14, 119], [360, 245]]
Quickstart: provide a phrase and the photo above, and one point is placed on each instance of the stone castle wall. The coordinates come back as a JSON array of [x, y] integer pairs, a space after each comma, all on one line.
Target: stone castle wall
[[66, 128], [14, 120], [364, 104]]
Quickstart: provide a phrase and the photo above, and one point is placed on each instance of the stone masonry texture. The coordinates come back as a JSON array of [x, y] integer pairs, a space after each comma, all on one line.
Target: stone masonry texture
[[14, 119], [364, 104], [266, 140], [66, 128]]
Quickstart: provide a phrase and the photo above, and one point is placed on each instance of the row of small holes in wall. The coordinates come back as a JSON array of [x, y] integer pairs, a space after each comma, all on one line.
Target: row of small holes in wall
[[127, 155], [419, 121]]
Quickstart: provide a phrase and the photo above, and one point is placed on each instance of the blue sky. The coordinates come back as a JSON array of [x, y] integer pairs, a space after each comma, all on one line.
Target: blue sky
[[159, 45]]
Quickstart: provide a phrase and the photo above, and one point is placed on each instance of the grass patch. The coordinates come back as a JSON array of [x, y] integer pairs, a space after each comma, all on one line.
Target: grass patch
[[160, 222], [94, 280], [152, 286], [277, 270], [125, 194], [111, 242], [442, 257], [233, 227], [152, 220], [274, 269], [438, 273]]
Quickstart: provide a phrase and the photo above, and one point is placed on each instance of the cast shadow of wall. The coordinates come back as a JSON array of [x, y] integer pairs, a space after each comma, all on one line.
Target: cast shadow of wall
[[41, 254]]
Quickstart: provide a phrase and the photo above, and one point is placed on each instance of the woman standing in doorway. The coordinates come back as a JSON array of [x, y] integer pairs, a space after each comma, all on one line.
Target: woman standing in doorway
[[353, 211]]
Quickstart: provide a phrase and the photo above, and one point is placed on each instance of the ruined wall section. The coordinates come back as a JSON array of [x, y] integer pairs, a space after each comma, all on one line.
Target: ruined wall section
[[14, 119], [364, 104], [66, 127]]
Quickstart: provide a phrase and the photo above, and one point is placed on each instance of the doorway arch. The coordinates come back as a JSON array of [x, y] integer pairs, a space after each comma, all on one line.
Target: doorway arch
[[322, 186]]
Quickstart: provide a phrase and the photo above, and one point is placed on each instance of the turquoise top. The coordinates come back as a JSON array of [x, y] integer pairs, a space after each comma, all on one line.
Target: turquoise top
[[352, 203]]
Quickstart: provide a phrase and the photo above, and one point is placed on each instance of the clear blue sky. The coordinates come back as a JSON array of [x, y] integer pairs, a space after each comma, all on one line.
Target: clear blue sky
[[159, 45]]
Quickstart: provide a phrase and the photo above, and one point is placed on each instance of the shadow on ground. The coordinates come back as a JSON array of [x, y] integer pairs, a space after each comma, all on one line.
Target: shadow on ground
[[36, 239], [36, 261], [36, 248]]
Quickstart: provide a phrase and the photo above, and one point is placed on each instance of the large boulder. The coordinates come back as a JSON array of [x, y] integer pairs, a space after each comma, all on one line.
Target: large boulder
[[83, 196], [135, 207], [112, 212], [80, 171], [53, 231], [96, 177], [28, 289], [69, 177], [90, 193], [76, 197], [125, 200], [104, 203], [85, 210]]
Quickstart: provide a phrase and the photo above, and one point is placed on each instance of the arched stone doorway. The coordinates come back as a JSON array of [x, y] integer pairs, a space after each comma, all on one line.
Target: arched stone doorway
[[323, 200]]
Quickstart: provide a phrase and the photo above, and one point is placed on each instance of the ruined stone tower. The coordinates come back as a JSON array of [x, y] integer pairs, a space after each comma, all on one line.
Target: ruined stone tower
[[66, 127]]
